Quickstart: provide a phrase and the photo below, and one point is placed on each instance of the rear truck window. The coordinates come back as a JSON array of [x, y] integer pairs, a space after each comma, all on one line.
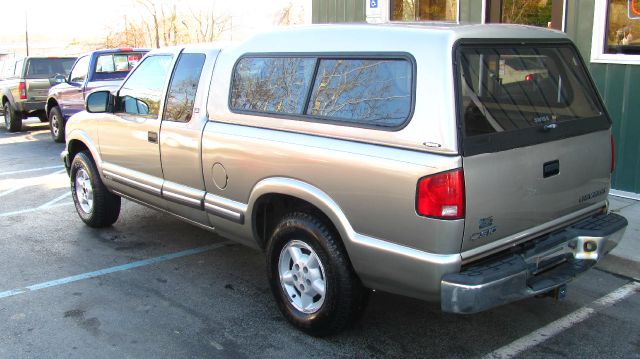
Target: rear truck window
[[117, 62], [45, 68], [519, 95]]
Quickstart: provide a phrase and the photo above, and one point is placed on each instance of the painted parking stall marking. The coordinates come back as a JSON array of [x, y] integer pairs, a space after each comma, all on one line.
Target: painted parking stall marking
[[18, 184], [30, 170], [102, 272], [556, 327], [51, 204]]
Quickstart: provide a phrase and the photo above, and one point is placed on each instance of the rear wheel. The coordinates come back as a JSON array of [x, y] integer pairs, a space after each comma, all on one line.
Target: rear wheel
[[56, 124], [95, 205], [12, 118], [311, 277]]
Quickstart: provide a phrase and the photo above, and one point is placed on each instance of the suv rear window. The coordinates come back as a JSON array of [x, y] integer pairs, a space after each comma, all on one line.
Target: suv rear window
[[46, 68], [514, 95]]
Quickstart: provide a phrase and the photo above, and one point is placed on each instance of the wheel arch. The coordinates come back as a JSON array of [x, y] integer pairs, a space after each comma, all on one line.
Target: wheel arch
[[78, 141], [51, 102], [7, 98], [274, 197]]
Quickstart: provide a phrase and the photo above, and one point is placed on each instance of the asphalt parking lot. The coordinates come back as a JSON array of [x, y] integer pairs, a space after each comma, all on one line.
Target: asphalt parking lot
[[154, 287]]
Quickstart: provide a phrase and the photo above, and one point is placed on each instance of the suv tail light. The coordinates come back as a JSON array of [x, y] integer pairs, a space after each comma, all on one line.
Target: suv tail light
[[613, 154], [22, 90], [441, 195]]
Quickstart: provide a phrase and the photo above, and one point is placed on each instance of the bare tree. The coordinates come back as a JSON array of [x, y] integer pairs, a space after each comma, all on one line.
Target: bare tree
[[150, 6], [162, 24]]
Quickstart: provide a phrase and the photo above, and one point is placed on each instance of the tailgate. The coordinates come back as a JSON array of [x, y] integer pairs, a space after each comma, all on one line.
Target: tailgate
[[535, 138], [510, 191], [40, 73], [37, 89]]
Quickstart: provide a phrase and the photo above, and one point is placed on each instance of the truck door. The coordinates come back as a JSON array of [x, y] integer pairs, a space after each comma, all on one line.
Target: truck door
[[129, 138], [73, 97], [183, 120]]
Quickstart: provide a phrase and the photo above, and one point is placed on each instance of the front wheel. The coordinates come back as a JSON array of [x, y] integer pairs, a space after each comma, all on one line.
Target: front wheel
[[56, 124], [12, 118], [311, 276], [95, 205]]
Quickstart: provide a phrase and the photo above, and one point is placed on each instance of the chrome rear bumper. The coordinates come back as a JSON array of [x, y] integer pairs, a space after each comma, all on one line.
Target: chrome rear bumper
[[535, 268]]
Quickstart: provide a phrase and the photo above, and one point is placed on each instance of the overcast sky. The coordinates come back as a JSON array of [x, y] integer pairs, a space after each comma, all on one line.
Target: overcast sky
[[59, 22]]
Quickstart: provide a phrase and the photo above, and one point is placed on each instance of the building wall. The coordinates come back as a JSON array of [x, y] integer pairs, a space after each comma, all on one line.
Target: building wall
[[337, 11], [619, 86]]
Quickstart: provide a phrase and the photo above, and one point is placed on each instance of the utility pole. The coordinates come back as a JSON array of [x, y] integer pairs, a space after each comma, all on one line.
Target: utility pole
[[26, 31]]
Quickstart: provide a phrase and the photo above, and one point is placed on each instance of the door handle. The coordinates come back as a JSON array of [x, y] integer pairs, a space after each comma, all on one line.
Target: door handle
[[152, 137], [551, 168]]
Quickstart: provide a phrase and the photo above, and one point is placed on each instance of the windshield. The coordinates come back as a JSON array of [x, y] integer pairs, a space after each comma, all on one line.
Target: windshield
[[513, 87], [48, 67]]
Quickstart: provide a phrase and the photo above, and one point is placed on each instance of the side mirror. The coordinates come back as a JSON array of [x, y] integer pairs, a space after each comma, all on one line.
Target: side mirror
[[57, 79], [99, 102]]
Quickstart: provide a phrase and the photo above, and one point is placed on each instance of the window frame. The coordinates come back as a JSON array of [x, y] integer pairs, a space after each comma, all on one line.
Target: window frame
[[317, 56], [119, 106], [600, 17], [171, 77]]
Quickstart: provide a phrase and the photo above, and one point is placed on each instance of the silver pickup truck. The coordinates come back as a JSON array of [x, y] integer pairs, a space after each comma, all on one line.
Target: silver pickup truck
[[464, 164], [25, 84]]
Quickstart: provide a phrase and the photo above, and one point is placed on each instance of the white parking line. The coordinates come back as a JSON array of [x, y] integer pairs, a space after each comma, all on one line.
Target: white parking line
[[51, 204], [101, 272], [29, 170], [21, 183], [554, 328]]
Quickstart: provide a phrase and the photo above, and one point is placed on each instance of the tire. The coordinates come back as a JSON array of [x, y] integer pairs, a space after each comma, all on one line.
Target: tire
[[323, 263], [56, 124], [42, 116], [95, 205], [12, 118]]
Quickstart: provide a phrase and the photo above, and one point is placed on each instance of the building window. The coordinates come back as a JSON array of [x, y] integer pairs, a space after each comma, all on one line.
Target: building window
[[616, 32], [623, 27], [527, 12], [424, 10]]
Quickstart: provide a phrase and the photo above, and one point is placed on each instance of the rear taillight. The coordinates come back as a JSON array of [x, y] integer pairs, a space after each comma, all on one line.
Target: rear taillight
[[22, 90], [441, 195], [613, 154]]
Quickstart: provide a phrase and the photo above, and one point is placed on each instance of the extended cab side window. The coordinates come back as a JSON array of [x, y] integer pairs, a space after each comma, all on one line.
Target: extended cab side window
[[183, 87], [79, 71], [142, 92], [371, 92], [272, 84], [366, 92]]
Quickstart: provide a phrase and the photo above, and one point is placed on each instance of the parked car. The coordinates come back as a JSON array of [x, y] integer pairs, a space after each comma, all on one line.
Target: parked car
[[25, 84], [389, 157], [101, 68]]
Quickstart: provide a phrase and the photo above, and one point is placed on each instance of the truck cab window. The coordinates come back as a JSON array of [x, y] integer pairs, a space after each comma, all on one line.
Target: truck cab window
[[183, 86], [142, 92], [79, 71]]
